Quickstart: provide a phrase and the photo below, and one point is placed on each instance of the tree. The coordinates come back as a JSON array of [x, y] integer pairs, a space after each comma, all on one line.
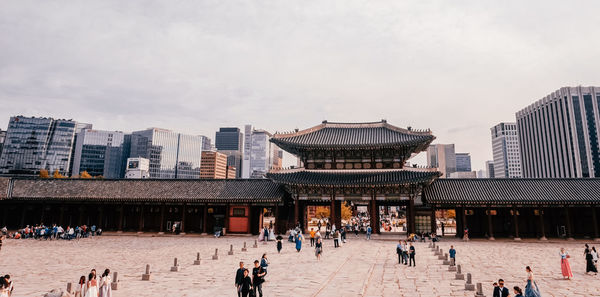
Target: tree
[[44, 173], [451, 213], [85, 174], [57, 174], [322, 212], [346, 212]]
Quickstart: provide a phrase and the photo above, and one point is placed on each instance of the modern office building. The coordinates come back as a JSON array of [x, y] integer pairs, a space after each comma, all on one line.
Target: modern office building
[[214, 165], [231, 172], [463, 162], [137, 168], [230, 141], [33, 144], [490, 171], [463, 174], [99, 153], [171, 154], [260, 154], [206, 144], [558, 135], [506, 151], [443, 157]]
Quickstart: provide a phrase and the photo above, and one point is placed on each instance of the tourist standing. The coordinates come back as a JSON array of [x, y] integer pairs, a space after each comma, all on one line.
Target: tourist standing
[[312, 237], [466, 234], [565, 267], [258, 278], [4, 290], [92, 286], [279, 244], [319, 225], [411, 261], [80, 291], [500, 290], [245, 284], [452, 253], [518, 292], [264, 263], [443, 225], [369, 231], [327, 230], [405, 253], [531, 289], [299, 240], [239, 277], [399, 251], [595, 256], [318, 248], [105, 281], [336, 239], [589, 259]]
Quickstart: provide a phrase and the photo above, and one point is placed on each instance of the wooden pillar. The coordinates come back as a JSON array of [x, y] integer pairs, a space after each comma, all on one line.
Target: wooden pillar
[[373, 214], [5, 214], [81, 209], [61, 215], [412, 217], [568, 223], [184, 211], [490, 224], [332, 211], [277, 223], [227, 207], [100, 216], [204, 219], [338, 213], [516, 223], [433, 220], [595, 223], [141, 219], [464, 221], [542, 225], [120, 225], [162, 218], [23, 216], [296, 211], [43, 213]]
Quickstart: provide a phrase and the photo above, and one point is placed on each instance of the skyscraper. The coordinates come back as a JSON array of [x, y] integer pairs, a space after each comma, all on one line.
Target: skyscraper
[[33, 144], [99, 153], [171, 154], [558, 135], [206, 143], [489, 167], [230, 141], [214, 165], [463, 162], [259, 153], [506, 151], [443, 157]]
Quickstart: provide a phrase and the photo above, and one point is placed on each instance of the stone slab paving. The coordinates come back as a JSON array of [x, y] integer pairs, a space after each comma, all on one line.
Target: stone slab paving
[[358, 268]]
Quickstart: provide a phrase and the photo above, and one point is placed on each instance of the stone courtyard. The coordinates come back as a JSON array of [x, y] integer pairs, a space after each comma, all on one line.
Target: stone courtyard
[[358, 268]]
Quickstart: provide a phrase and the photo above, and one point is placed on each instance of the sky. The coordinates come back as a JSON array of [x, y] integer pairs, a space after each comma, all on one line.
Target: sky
[[455, 67]]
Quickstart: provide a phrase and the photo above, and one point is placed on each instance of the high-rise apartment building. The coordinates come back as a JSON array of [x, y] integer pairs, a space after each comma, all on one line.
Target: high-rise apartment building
[[506, 151], [171, 154], [260, 155], [490, 171], [443, 157], [558, 135], [33, 144], [230, 141], [99, 153], [231, 172], [214, 165], [463, 162]]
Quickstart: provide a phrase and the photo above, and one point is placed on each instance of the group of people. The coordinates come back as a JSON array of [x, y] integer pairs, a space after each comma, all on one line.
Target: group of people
[[6, 286], [406, 253], [266, 234], [251, 286], [42, 231], [531, 287], [591, 259], [92, 287]]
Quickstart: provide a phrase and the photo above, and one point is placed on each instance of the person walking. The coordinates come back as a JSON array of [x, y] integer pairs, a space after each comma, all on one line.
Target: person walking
[[369, 231], [336, 239], [264, 263], [412, 256], [589, 259], [531, 289], [239, 277], [500, 290], [565, 267], [319, 248], [312, 237], [279, 244], [399, 251], [245, 283], [355, 230], [258, 278], [595, 256], [92, 286], [299, 240], [452, 253], [105, 281]]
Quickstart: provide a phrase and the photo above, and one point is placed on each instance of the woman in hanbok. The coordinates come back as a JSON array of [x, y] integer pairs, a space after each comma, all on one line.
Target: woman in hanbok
[[105, 281], [92, 286], [80, 290], [271, 234], [531, 289], [589, 259], [299, 240], [261, 235], [565, 267]]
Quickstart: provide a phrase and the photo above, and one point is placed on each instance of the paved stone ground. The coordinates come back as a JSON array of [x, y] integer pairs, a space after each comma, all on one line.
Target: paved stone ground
[[358, 268]]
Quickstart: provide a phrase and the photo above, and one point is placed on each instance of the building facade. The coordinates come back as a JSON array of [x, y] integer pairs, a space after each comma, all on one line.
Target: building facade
[[490, 171], [99, 153], [33, 144], [230, 141], [171, 154], [260, 154], [214, 165], [137, 168], [463, 162], [558, 134], [443, 157], [506, 151]]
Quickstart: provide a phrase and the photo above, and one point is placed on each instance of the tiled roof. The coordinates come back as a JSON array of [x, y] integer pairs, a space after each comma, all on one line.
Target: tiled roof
[[355, 136], [514, 191], [353, 177], [199, 190]]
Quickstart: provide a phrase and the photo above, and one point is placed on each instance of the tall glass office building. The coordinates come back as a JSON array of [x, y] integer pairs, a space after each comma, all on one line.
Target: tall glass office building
[[229, 141], [99, 153], [171, 155], [33, 144], [558, 135]]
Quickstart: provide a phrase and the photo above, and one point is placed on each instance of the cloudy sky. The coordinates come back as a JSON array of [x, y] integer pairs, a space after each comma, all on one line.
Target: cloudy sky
[[456, 67]]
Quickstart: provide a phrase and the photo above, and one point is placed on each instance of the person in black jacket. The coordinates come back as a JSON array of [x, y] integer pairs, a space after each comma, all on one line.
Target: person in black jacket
[[500, 290], [239, 275], [246, 284], [411, 255], [257, 278]]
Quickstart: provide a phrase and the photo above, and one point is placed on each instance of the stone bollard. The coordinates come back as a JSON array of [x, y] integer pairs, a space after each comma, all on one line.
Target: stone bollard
[[230, 250], [197, 261], [115, 282], [469, 286], [244, 249], [430, 244], [146, 276], [216, 255], [175, 266], [441, 255], [446, 261], [479, 292], [70, 288], [451, 268], [255, 244], [459, 274]]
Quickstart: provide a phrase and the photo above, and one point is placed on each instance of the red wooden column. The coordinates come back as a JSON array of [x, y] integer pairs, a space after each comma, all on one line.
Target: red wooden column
[[433, 220], [332, 211], [120, 224], [162, 219], [204, 219], [338, 213], [490, 224], [296, 211], [184, 211], [141, 220]]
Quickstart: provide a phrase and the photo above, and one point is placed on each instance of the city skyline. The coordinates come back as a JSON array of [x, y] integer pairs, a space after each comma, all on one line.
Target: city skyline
[[195, 67]]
